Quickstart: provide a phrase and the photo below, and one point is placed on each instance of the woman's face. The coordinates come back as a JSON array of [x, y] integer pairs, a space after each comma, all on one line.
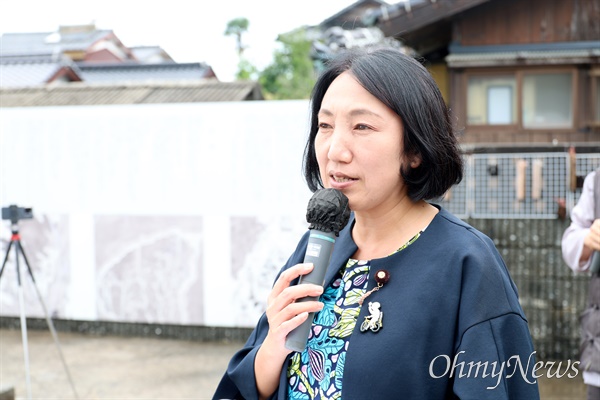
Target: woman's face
[[359, 146]]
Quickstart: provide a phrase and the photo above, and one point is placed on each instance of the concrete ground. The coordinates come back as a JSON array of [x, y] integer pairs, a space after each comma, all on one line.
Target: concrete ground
[[109, 367], [131, 368]]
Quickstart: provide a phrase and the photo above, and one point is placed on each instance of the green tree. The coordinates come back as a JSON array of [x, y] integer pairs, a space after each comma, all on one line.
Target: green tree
[[237, 27], [291, 74], [246, 71]]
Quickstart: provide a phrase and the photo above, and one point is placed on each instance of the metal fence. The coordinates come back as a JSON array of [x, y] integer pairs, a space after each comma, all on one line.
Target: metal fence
[[514, 198], [517, 185], [584, 163]]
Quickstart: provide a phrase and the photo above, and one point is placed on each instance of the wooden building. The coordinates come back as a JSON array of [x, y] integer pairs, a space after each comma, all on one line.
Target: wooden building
[[514, 72]]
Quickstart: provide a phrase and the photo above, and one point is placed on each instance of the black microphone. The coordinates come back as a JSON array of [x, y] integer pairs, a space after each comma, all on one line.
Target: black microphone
[[595, 263], [327, 214]]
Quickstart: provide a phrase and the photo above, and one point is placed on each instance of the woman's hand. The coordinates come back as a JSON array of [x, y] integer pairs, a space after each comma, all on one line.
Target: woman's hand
[[284, 314], [591, 242]]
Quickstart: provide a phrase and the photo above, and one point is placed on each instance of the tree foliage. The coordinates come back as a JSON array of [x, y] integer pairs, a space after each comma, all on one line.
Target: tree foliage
[[237, 27], [246, 71], [291, 74]]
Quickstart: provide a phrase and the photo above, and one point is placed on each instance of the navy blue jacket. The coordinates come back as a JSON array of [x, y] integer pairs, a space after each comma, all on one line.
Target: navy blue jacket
[[453, 327]]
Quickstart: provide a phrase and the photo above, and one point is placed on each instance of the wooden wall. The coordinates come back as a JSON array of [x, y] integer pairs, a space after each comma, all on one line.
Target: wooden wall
[[516, 22], [529, 21]]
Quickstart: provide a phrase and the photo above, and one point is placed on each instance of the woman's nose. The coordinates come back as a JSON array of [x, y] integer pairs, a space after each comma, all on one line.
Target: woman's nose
[[339, 147]]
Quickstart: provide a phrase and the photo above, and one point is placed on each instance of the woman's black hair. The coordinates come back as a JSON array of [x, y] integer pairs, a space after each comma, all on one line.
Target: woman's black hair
[[405, 86]]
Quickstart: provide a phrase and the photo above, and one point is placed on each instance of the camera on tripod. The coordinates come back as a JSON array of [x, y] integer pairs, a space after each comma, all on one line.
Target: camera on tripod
[[14, 213]]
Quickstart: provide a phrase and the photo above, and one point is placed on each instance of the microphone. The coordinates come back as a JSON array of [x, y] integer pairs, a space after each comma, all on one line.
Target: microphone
[[595, 263], [327, 214]]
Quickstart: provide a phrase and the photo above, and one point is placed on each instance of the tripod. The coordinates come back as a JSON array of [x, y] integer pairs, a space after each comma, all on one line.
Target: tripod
[[15, 240]]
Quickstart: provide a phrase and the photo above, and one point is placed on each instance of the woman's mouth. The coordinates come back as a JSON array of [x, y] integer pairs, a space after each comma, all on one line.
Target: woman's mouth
[[342, 179]]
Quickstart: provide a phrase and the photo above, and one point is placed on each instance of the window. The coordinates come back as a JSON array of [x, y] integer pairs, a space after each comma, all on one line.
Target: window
[[500, 103], [547, 100], [596, 88], [491, 100], [531, 100]]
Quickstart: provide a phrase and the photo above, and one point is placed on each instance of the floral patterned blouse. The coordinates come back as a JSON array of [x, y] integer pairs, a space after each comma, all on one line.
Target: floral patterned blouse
[[317, 372]]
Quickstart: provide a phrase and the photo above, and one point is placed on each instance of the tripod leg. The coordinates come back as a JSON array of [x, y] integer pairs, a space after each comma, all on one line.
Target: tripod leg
[[23, 324], [48, 321], [6, 257]]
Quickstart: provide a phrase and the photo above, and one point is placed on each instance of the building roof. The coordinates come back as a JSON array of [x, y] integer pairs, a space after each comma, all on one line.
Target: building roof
[[150, 54], [36, 70], [423, 25], [22, 71], [529, 54], [17, 44], [411, 15], [127, 72], [84, 53], [352, 16], [133, 93]]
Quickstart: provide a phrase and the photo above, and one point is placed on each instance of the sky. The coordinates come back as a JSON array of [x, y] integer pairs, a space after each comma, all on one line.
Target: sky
[[188, 30]]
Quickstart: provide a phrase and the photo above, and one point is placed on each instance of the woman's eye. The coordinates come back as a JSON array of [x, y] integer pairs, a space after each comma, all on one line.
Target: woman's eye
[[362, 127], [323, 125]]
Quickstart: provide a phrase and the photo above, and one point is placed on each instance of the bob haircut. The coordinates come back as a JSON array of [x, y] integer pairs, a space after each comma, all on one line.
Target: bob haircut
[[406, 87]]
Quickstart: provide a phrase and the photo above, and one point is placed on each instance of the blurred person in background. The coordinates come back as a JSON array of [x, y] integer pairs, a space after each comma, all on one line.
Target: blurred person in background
[[579, 242]]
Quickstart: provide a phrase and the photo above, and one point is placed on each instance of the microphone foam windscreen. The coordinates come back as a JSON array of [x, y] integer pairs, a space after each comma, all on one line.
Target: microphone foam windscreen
[[328, 211]]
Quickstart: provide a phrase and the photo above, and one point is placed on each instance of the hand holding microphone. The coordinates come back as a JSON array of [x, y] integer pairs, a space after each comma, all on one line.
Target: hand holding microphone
[[592, 240], [290, 309], [327, 213]]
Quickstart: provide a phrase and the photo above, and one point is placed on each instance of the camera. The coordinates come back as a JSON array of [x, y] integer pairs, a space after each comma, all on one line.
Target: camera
[[14, 213]]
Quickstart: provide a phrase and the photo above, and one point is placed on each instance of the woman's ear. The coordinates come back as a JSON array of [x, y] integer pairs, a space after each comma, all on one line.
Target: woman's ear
[[415, 161]]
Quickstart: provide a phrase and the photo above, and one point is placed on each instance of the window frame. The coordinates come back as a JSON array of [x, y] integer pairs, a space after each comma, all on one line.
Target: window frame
[[595, 97], [518, 74]]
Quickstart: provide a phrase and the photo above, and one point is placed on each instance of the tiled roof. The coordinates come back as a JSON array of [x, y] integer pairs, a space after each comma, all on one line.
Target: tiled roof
[[12, 44], [16, 44], [531, 54], [127, 72], [150, 54], [31, 59], [37, 70], [32, 70], [151, 93], [353, 14]]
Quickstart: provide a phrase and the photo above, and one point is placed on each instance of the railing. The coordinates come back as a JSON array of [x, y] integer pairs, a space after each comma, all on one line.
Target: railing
[[518, 185]]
